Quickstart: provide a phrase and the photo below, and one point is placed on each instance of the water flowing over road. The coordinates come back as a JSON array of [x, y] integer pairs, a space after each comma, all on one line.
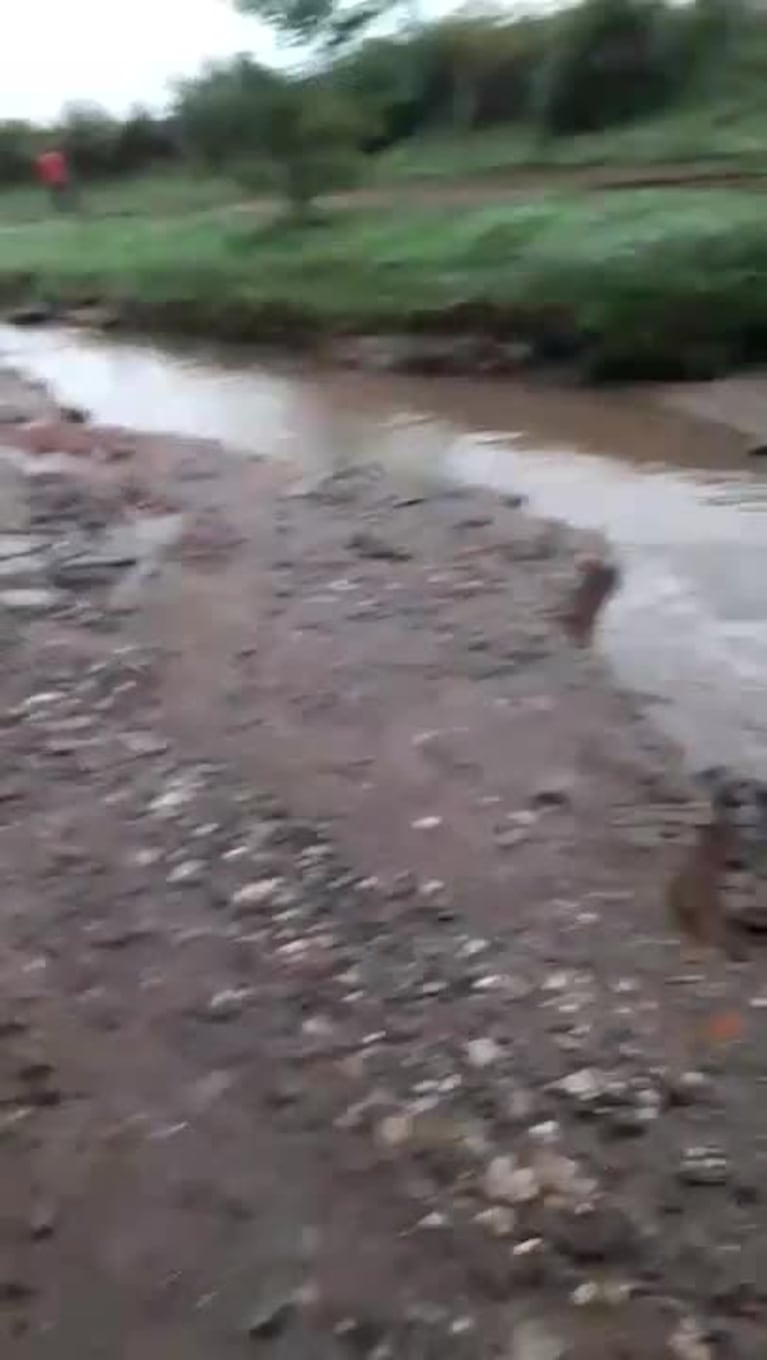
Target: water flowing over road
[[663, 473]]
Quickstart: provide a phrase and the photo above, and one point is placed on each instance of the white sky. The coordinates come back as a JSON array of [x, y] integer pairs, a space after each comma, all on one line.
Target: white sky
[[116, 52], [119, 53]]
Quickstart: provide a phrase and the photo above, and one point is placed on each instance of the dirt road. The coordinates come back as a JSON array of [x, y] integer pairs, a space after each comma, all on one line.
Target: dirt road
[[342, 1014]]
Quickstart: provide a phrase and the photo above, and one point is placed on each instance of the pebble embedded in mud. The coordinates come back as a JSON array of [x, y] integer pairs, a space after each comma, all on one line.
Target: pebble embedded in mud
[[395, 1131], [189, 871], [254, 895], [482, 1053], [688, 1342], [507, 1181], [270, 1319], [701, 1166], [227, 1004], [499, 1220], [536, 1339]]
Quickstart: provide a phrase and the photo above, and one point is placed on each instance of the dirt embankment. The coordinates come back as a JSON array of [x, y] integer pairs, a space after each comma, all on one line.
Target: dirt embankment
[[342, 1013]]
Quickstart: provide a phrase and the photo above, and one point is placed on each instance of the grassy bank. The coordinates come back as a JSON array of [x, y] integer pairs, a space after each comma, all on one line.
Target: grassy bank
[[170, 194], [723, 133], [726, 135], [633, 283]]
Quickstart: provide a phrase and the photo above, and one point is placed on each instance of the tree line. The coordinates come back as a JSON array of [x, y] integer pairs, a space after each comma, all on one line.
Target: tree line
[[371, 74]]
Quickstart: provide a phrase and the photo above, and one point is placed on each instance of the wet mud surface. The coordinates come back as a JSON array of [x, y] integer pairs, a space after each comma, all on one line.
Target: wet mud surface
[[346, 1009]]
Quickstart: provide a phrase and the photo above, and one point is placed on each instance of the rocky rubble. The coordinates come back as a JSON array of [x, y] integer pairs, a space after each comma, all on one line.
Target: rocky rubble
[[258, 1095]]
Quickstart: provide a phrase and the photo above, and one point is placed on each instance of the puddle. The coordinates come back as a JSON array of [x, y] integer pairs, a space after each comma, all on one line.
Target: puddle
[[663, 473]]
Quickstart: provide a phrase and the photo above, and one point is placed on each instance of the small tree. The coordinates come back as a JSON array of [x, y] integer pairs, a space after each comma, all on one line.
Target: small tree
[[306, 140], [298, 135], [312, 129]]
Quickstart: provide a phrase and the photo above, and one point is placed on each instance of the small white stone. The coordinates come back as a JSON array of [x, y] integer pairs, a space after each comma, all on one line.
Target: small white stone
[[562, 1176], [236, 852], [586, 1294], [395, 1130], [423, 738], [426, 823], [527, 1247], [470, 948], [507, 1181], [226, 1004], [689, 1343], [545, 1133], [481, 1053], [491, 982], [204, 830], [432, 887], [534, 1339], [616, 1292], [318, 1027], [525, 817], [433, 1220], [498, 1219], [145, 856], [39, 700], [581, 1085], [176, 795], [461, 1325], [556, 982], [257, 893], [449, 1084], [189, 871]]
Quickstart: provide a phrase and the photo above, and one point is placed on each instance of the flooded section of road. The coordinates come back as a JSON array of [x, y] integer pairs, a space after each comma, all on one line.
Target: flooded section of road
[[663, 473]]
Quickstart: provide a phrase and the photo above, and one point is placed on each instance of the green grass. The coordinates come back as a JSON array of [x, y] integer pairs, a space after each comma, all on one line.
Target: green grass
[[644, 281], [724, 132], [167, 194], [727, 133]]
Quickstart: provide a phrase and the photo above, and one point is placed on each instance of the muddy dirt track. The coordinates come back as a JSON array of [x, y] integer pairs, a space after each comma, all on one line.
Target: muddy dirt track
[[526, 181], [499, 187], [342, 1012]]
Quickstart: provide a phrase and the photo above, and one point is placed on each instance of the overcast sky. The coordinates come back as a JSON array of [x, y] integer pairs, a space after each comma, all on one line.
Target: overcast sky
[[117, 52], [120, 53]]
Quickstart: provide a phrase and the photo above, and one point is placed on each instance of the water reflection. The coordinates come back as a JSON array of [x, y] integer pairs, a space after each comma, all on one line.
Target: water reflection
[[671, 487]]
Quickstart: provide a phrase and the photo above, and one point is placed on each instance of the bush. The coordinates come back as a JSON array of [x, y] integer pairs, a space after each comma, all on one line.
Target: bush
[[18, 146]]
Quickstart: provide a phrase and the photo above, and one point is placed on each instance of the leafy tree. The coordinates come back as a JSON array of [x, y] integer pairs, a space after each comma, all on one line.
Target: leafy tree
[[309, 136], [18, 144], [300, 135], [141, 141], [89, 136], [609, 61], [220, 115]]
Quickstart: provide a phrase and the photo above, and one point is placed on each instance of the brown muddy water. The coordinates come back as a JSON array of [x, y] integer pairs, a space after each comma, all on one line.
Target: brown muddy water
[[663, 472]]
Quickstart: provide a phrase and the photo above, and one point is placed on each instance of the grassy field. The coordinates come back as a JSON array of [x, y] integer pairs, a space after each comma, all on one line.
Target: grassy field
[[176, 192], [724, 132], [640, 282], [732, 135]]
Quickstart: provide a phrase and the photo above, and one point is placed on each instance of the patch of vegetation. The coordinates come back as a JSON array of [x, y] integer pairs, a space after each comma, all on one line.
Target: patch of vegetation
[[722, 135], [170, 194], [475, 92], [630, 284]]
